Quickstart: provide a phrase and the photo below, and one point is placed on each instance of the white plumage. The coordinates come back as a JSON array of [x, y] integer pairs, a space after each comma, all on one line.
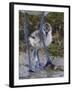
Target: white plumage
[[35, 40]]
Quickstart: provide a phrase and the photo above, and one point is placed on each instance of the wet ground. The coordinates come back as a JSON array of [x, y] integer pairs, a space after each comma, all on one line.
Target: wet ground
[[47, 72]]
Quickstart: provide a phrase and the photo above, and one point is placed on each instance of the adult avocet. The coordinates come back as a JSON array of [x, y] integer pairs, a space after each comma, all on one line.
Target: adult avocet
[[37, 43]]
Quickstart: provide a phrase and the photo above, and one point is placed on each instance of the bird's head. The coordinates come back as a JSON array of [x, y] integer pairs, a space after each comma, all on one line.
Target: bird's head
[[47, 29]]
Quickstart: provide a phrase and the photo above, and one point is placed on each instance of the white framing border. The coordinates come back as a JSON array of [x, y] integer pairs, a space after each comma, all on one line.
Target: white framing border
[[16, 46]]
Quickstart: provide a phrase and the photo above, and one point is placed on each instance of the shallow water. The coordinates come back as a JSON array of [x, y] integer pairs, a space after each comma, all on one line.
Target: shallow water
[[40, 73]]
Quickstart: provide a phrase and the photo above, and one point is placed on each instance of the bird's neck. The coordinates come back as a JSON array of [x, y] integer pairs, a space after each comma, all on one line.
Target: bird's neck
[[49, 37]]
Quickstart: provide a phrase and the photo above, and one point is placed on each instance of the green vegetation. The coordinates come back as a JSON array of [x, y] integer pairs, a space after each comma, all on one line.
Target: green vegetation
[[56, 49]]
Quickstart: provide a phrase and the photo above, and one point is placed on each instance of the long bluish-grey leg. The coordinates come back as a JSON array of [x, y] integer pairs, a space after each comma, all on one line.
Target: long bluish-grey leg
[[26, 32], [32, 67], [42, 39], [37, 60], [34, 60]]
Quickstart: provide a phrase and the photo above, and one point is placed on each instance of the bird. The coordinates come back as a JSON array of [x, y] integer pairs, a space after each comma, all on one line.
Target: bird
[[35, 39], [37, 44]]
